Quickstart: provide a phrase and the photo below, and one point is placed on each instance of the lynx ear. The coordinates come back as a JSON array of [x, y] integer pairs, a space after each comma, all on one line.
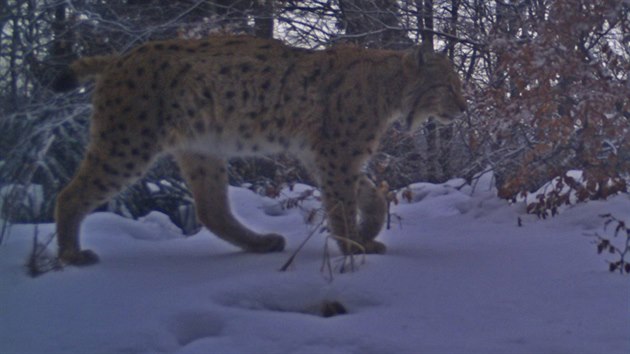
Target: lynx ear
[[419, 55], [423, 52]]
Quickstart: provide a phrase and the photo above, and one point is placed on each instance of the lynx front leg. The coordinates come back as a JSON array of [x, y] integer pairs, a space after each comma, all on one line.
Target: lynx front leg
[[340, 201], [207, 179], [372, 210]]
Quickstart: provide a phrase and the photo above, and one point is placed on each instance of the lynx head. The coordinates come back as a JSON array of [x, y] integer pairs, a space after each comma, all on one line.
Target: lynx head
[[433, 89]]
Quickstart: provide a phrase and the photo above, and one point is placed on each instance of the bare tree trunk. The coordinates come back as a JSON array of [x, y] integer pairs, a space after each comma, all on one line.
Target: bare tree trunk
[[453, 28], [263, 19], [13, 99], [438, 137], [425, 12]]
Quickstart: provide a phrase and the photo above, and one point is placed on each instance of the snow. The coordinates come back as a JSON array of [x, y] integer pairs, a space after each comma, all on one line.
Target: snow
[[459, 277]]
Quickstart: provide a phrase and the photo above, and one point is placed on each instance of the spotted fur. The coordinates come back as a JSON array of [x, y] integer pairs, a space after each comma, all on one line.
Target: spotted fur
[[205, 101]]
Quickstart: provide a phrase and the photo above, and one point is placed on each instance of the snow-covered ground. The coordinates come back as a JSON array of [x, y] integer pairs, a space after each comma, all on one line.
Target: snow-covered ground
[[459, 277]]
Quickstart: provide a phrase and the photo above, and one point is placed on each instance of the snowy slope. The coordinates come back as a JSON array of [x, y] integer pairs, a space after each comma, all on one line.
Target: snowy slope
[[460, 277]]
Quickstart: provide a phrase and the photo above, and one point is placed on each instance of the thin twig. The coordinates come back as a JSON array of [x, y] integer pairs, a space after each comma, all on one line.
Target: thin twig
[[289, 261]]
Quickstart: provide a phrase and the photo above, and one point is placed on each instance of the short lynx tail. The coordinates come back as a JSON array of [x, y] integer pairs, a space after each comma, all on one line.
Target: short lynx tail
[[79, 71]]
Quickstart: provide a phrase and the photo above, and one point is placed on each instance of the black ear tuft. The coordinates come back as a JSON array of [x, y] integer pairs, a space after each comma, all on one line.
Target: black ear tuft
[[65, 81], [423, 52]]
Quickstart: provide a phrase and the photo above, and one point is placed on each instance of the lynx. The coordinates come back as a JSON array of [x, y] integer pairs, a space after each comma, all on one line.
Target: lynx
[[206, 100]]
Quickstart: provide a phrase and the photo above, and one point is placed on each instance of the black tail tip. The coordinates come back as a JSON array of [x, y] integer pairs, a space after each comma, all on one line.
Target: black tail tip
[[65, 81]]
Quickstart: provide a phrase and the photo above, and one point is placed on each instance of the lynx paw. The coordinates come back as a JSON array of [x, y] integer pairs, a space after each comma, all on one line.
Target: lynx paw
[[368, 247], [79, 258], [268, 243], [374, 247]]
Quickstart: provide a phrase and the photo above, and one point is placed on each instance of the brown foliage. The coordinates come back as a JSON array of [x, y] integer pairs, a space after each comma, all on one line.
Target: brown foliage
[[558, 98]]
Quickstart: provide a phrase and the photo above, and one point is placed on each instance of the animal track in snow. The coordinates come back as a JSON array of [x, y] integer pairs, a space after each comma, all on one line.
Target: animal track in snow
[[309, 300], [188, 327]]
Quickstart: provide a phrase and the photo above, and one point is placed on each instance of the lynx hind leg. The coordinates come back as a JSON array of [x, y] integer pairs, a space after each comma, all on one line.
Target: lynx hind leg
[[372, 209], [96, 180], [207, 178]]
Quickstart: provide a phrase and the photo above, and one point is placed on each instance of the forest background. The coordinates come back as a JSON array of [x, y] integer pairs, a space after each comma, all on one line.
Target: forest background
[[547, 82]]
